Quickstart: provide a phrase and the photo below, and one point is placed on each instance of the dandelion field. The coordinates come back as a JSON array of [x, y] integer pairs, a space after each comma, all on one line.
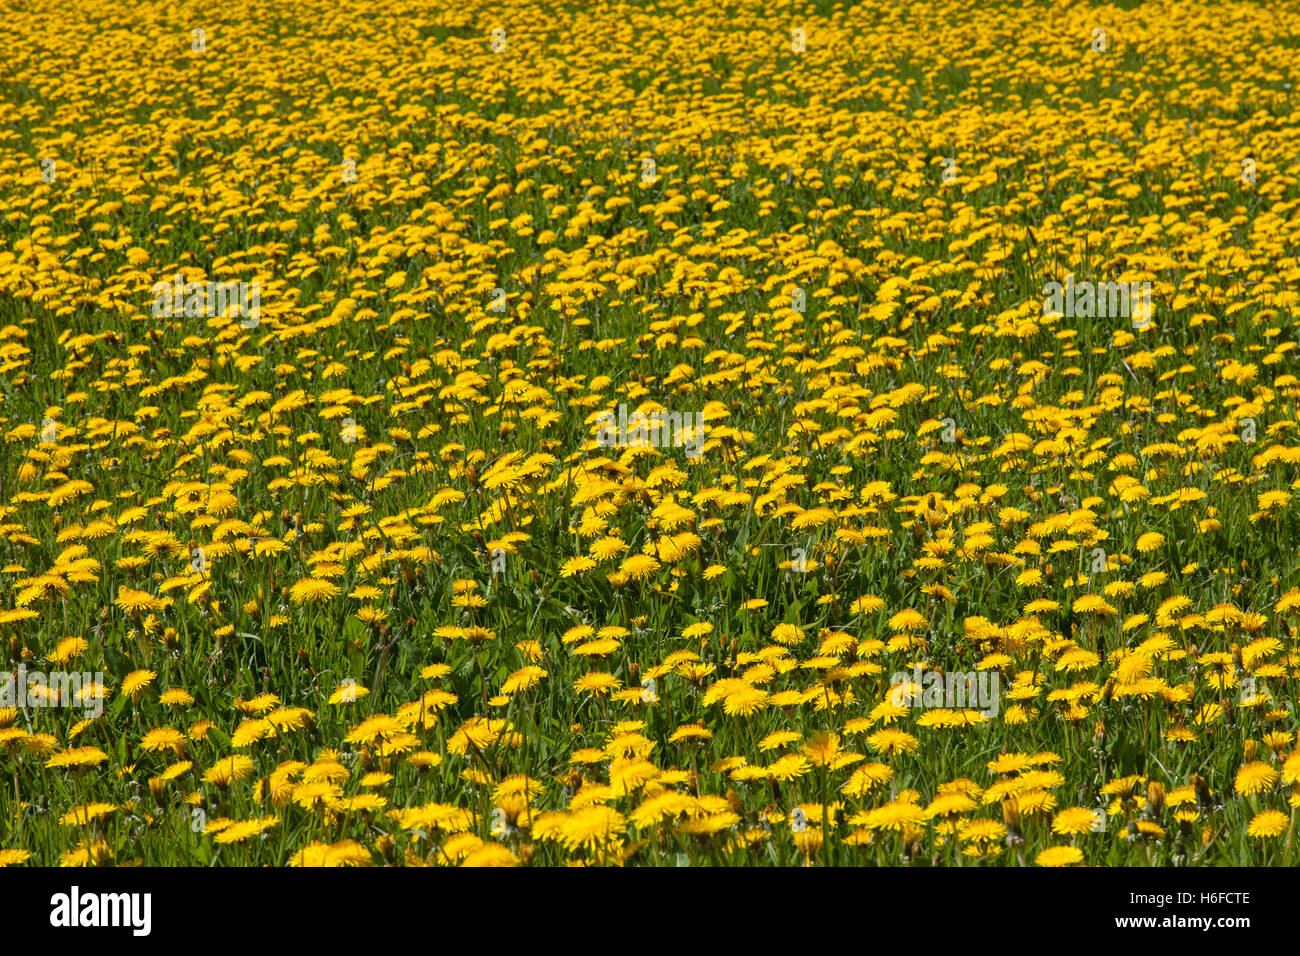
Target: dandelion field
[[359, 580]]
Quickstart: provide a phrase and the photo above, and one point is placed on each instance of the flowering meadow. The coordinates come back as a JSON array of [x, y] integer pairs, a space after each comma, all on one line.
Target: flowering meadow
[[649, 434]]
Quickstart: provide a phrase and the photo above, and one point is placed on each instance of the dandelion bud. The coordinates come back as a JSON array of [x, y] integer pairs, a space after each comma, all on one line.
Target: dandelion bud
[[1202, 790], [1011, 817], [1250, 749], [1156, 797]]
